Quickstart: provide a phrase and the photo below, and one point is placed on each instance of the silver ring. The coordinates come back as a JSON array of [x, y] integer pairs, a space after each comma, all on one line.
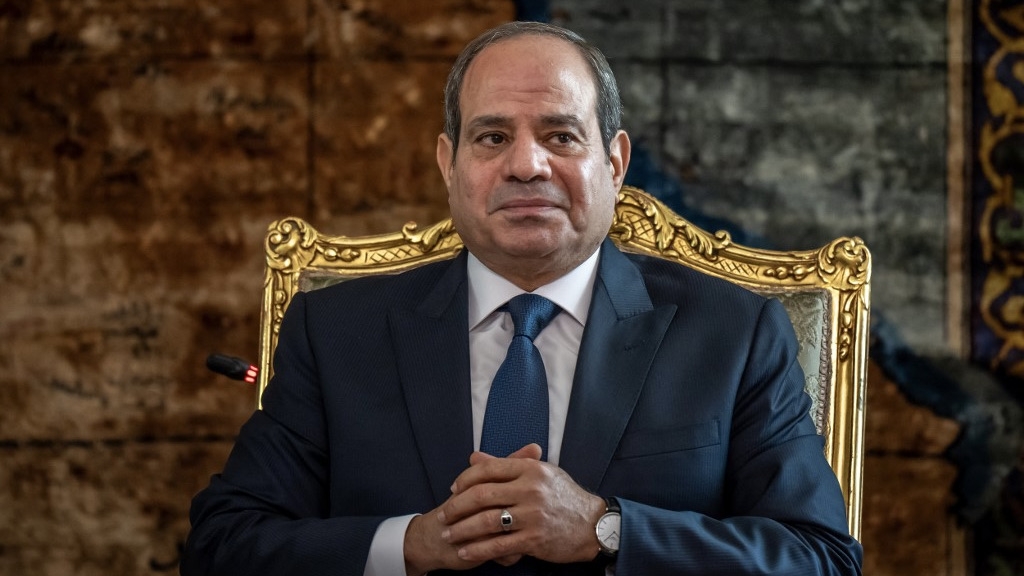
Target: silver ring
[[506, 520]]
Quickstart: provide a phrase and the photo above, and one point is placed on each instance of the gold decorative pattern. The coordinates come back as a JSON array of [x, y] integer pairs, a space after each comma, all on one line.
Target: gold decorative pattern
[[641, 219], [840, 271], [1000, 141]]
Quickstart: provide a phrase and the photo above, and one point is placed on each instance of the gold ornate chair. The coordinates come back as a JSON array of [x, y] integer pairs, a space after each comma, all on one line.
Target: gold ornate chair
[[825, 292]]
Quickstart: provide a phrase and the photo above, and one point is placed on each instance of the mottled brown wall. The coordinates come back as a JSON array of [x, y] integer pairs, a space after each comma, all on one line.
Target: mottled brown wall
[[144, 148], [908, 528]]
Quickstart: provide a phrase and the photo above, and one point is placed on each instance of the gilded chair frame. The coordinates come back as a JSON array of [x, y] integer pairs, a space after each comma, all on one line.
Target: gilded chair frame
[[299, 258]]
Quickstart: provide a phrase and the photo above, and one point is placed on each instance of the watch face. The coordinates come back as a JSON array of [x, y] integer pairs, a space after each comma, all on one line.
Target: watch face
[[608, 531]]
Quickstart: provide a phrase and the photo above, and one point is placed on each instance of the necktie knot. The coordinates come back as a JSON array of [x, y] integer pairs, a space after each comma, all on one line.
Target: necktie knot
[[531, 313]]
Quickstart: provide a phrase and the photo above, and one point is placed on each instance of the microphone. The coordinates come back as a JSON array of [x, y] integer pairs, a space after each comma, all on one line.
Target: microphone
[[234, 368]]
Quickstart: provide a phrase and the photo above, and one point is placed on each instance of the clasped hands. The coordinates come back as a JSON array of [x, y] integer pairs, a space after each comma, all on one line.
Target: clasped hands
[[553, 517]]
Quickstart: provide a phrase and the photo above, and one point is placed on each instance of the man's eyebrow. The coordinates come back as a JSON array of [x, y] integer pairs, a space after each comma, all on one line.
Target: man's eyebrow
[[564, 120], [488, 121], [561, 120]]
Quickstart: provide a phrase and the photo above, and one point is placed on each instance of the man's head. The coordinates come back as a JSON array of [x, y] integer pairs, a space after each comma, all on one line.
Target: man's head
[[532, 170], [609, 104]]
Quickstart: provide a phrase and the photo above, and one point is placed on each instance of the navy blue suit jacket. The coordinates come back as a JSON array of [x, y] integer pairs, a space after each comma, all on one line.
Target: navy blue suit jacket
[[687, 404]]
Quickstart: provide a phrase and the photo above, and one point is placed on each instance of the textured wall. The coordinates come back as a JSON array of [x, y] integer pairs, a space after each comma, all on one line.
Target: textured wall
[[801, 120], [145, 146]]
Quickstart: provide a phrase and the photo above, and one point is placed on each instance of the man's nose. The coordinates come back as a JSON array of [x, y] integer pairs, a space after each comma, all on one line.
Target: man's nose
[[527, 160]]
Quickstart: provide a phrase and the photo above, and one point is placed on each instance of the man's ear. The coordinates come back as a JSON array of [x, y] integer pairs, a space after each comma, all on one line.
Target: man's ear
[[445, 155], [618, 153]]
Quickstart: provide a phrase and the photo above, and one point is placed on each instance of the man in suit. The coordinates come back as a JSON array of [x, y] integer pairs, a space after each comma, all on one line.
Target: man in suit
[[674, 430]]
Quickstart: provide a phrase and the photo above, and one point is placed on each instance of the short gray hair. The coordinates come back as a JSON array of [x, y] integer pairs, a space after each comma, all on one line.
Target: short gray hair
[[609, 105]]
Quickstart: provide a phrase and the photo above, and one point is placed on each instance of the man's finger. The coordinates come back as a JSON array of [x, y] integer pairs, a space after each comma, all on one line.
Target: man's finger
[[531, 451], [480, 526], [509, 560], [489, 469]]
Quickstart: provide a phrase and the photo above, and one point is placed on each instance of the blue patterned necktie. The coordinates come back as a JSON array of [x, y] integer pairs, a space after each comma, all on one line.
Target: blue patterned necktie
[[517, 405]]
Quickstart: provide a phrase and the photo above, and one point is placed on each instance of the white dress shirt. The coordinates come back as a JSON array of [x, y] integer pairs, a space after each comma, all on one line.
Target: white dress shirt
[[490, 332]]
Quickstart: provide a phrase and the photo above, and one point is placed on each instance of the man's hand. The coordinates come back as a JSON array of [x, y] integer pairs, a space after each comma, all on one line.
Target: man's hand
[[553, 517], [531, 452], [426, 550]]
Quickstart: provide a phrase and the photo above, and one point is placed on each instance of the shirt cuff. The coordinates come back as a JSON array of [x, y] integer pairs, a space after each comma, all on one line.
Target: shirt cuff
[[387, 550]]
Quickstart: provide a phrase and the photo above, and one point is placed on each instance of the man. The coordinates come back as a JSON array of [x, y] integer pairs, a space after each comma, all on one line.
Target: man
[[676, 440]]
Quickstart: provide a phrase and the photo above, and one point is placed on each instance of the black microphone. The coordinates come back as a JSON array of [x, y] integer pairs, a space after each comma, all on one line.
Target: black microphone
[[234, 368]]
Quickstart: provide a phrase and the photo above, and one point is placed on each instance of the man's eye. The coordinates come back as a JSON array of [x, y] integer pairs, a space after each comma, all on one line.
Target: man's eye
[[563, 138], [493, 139]]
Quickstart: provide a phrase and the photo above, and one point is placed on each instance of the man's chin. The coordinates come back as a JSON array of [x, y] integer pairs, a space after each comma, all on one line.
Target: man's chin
[[553, 250], [531, 250]]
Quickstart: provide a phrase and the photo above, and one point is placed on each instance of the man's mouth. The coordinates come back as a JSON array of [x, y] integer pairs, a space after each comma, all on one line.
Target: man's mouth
[[527, 207]]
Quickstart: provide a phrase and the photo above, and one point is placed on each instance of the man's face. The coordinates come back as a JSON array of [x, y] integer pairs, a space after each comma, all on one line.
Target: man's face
[[531, 191]]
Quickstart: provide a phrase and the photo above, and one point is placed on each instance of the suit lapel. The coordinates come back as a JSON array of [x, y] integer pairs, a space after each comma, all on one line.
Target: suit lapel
[[432, 347], [623, 333]]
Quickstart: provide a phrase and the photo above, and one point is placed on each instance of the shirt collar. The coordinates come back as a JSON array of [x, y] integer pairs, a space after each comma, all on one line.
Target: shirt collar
[[488, 290]]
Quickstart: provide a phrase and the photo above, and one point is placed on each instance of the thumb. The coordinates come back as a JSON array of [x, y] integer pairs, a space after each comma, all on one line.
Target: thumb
[[531, 451]]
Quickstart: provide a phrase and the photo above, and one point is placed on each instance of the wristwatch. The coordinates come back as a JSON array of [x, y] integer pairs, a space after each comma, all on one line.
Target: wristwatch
[[608, 528]]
